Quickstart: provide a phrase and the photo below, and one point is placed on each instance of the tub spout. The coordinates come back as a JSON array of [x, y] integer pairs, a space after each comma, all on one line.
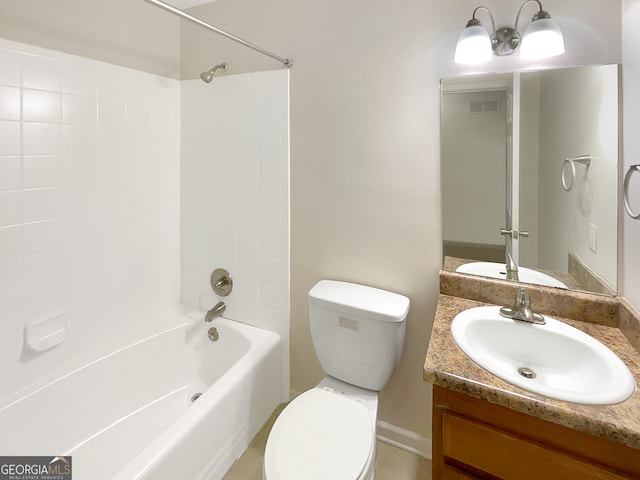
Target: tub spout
[[215, 312]]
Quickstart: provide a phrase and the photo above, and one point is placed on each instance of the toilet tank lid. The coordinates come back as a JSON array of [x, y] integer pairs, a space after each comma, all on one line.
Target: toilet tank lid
[[360, 300]]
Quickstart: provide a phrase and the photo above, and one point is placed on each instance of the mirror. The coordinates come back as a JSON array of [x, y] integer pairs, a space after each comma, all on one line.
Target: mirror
[[529, 164]]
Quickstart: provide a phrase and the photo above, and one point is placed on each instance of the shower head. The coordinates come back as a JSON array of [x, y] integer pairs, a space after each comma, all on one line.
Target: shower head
[[208, 75]]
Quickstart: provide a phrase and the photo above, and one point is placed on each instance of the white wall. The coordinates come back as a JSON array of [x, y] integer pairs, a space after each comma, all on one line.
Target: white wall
[[578, 116], [235, 196], [89, 202], [473, 163], [630, 251], [529, 171], [365, 134], [365, 128]]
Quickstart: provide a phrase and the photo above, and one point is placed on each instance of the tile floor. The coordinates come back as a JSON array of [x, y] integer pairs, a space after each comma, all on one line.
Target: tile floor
[[391, 463]]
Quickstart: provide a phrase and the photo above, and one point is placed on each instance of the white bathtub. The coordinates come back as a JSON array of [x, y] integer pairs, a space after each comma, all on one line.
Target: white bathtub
[[129, 415]]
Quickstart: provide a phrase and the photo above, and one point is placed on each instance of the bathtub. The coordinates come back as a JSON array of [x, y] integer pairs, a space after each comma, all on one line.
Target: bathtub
[[131, 414]]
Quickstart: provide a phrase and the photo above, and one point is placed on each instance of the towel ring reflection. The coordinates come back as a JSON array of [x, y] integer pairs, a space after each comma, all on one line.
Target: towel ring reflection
[[627, 179], [583, 159]]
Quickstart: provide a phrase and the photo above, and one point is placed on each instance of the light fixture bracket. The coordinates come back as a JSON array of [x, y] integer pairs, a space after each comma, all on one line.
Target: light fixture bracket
[[474, 22], [542, 14], [505, 41]]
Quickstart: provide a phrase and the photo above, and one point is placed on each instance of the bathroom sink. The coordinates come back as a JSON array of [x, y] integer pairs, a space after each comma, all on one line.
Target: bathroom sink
[[554, 359], [499, 270]]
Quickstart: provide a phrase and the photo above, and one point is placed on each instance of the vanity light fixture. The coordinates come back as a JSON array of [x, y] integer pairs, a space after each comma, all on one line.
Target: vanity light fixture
[[542, 38]]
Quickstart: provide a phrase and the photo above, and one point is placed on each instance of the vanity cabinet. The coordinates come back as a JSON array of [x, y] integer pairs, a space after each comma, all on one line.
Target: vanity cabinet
[[475, 439]]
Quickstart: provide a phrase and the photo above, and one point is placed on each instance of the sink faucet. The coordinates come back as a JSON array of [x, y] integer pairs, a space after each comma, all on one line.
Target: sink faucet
[[215, 312], [521, 309], [512, 268]]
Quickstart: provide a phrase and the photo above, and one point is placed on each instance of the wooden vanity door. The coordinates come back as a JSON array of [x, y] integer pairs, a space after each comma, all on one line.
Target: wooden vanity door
[[476, 439]]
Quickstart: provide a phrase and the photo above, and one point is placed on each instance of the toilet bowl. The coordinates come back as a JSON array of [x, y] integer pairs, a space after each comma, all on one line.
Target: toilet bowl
[[329, 431]]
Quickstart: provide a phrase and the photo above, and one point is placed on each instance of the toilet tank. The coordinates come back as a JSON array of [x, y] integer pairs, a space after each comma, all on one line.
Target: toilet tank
[[357, 331]]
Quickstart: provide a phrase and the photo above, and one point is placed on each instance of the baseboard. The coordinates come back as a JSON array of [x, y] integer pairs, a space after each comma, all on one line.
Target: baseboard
[[404, 439]]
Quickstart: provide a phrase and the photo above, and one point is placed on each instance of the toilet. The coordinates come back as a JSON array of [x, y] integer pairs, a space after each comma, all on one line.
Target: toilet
[[329, 431]]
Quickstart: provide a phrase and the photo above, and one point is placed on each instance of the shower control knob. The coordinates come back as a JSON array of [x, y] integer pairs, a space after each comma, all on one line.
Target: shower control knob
[[221, 282]]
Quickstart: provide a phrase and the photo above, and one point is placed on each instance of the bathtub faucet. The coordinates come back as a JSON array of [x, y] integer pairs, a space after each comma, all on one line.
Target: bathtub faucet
[[215, 312]]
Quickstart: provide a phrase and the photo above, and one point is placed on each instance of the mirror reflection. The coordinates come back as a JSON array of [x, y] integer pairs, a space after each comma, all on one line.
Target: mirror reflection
[[529, 164]]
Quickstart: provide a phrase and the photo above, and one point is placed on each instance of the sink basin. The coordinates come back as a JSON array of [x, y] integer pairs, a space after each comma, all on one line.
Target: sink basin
[[499, 270], [554, 360]]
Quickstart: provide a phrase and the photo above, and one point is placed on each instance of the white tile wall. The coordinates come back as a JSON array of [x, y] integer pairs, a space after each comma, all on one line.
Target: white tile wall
[[43, 171], [10, 173], [235, 194], [9, 103], [10, 244], [10, 135], [89, 201]]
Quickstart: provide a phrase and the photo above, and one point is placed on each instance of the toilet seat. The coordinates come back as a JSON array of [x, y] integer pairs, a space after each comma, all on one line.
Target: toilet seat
[[320, 435]]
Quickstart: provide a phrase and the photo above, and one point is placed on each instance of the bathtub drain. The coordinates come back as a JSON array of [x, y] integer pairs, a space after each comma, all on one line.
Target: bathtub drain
[[213, 334], [195, 396]]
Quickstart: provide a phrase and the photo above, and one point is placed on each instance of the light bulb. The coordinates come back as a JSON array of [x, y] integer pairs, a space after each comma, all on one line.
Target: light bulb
[[474, 46], [542, 39]]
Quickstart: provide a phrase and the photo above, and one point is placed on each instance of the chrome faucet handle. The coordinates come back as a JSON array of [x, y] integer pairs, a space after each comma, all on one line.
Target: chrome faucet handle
[[523, 303], [522, 298], [515, 234], [221, 282], [521, 309]]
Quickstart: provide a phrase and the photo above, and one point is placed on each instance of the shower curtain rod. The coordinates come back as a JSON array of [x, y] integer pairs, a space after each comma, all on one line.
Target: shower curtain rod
[[171, 9]]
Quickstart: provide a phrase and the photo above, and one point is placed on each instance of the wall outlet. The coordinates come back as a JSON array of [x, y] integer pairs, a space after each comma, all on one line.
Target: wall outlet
[[593, 238]]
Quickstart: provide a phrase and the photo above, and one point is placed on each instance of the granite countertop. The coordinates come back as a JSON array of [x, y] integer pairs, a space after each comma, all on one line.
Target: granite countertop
[[452, 263], [447, 366]]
